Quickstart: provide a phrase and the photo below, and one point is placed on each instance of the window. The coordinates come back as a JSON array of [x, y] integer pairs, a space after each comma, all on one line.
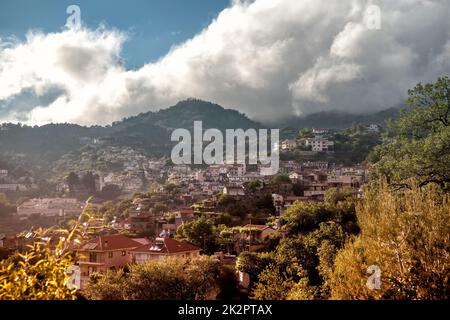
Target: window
[[110, 254], [92, 257], [124, 253]]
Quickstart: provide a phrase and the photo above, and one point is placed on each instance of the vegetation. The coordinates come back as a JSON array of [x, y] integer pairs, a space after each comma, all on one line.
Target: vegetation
[[41, 272], [6, 209], [407, 235], [200, 232], [418, 143], [171, 279]]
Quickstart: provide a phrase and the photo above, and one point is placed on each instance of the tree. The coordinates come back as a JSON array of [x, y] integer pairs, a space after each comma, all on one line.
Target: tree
[[280, 179], [335, 195], [200, 232], [72, 181], [5, 208], [110, 192], [305, 133], [88, 181], [169, 279], [159, 207], [404, 234], [272, 285], [418, 143], [304, 217], [226, 200], [41, 273]]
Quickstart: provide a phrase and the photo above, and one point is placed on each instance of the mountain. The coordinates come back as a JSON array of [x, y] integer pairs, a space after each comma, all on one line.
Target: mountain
[[148, 131], [184, 113], [339, 120], [151, 131]]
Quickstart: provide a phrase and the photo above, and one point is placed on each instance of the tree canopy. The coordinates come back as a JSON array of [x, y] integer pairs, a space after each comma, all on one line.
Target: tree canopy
[[418, 143]]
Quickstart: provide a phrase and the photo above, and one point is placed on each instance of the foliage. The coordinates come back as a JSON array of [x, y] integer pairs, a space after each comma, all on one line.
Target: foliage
[[171, 279], [40, 273], [418, 144], [200, 232], [280, 178], [253, 263], [407, 235], [6, 209], [335, 195], [303, 217]]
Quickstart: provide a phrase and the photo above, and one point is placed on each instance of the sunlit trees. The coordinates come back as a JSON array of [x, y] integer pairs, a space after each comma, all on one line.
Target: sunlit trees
[[41, 273], [418, 144], [170, 279], [407, 235], [200, 232]]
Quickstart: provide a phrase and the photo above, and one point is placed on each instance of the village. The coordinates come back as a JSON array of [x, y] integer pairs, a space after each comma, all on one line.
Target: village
[[155, 200]]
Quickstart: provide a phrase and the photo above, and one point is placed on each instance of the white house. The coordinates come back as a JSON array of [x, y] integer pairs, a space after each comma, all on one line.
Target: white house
[[234, 190], [319, 144]]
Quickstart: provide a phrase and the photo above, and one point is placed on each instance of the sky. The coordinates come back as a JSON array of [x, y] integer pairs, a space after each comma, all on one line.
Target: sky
[[153, 25], [270, 59]]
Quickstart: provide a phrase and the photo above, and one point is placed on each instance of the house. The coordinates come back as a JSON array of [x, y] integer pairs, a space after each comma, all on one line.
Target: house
[[277, 202], [51, 207], [253, 236], [295, 177], [3, 173], [290, 200], [288, 145], [104, 253], [183, 215], [319, 131], [318, 144], [162, 248], [234, 191], [316, 191], [350, 181], [14, 187], [237, 170]]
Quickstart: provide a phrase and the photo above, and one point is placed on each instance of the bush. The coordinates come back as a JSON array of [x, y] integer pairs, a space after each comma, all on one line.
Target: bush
[[170, 279], [408, 236]]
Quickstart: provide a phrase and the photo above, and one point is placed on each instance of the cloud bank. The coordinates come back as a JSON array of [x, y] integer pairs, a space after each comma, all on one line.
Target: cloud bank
[[269, 59]]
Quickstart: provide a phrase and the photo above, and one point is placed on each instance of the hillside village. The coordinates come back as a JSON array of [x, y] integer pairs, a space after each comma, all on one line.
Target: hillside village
[[141, 205], [111, 214]]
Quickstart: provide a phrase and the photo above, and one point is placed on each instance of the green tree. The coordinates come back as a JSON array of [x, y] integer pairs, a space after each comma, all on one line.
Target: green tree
[[418, 144], [41, 273], [170, 279], [335, 195], [159, 208], [304, 217], [72, 181], [280, 178], [253, 263], [5, 208], [200, 232], [305, 133]]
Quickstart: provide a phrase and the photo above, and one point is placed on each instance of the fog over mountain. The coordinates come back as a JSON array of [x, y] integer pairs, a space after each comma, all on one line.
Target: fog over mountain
[[268, 59]]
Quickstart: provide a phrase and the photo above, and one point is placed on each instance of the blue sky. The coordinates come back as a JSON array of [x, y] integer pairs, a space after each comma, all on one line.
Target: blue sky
[[153, 25]]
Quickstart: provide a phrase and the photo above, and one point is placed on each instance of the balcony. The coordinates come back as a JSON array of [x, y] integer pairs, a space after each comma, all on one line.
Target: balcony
[[91, 259]]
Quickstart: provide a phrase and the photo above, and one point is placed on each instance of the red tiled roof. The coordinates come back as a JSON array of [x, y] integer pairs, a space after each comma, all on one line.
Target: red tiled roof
[[113, 242], [166, 245]]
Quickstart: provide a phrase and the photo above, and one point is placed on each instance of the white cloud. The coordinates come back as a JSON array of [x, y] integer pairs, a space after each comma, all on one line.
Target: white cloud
[[269, 59]]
